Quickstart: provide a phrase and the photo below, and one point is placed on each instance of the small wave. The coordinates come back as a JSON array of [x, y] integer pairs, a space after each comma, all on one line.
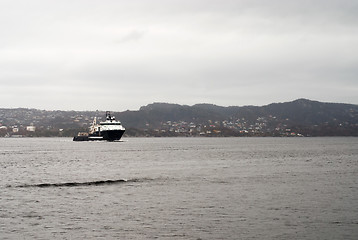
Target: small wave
[[75, 184]]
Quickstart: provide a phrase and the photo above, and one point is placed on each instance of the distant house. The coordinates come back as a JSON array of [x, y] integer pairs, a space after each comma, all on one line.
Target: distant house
[[31, 128]]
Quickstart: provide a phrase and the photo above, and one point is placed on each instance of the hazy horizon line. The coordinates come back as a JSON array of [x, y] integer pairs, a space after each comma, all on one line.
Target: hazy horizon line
[[161, 102]]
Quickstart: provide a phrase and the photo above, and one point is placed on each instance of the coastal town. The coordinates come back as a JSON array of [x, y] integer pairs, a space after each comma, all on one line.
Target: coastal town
[[22, 122], [231, 127]]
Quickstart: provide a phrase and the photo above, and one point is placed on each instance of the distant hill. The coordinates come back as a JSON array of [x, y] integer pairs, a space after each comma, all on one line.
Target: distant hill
[[301, 111], [296, 118]]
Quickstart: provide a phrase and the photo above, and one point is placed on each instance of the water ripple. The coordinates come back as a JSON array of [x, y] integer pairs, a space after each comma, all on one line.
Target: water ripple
[[76, 184]]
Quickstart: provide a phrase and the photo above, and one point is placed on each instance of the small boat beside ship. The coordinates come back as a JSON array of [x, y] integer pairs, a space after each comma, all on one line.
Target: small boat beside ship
[[109, 130]]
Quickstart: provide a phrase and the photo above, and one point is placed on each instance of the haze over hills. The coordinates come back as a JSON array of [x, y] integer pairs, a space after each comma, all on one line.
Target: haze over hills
[[301, 117]]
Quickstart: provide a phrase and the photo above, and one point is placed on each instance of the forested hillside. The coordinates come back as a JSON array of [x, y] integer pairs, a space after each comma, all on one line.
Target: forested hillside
[[301, 117]]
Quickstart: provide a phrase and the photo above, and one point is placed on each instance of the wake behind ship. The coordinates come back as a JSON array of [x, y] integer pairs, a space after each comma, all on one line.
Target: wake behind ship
[[109, 130]]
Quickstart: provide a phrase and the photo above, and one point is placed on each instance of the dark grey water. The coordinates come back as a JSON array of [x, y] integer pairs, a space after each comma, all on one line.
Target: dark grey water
[[179, 188]]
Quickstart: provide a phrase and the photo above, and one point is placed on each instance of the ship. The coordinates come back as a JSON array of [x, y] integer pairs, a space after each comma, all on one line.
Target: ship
[[109, 130]]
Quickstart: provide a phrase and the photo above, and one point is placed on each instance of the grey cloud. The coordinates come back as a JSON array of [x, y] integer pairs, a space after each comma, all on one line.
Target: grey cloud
[[131, 36], [233, 52]]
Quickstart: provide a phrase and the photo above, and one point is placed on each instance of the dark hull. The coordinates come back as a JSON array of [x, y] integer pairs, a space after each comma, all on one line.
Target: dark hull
[[113, 135]]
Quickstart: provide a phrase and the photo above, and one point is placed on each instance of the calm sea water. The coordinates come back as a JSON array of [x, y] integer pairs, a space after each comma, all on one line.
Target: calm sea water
[[179, 188]]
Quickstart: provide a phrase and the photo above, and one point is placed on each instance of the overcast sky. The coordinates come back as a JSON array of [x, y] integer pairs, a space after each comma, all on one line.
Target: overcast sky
[[120, 54]]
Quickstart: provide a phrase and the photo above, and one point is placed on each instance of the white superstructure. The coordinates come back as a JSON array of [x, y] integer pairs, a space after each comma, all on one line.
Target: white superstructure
[[111, 124]]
